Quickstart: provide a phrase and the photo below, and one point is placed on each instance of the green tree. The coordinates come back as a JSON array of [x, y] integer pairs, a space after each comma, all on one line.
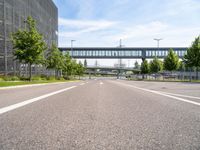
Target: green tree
[[54, 59], [74, 67], [67, 68], [29, 45], [192, 57], [155, 65], [171, 62], [144, 68], [80, 69], [85, 63]]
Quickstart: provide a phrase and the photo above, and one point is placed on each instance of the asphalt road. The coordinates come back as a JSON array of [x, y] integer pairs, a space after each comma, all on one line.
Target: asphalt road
[[101, 115]]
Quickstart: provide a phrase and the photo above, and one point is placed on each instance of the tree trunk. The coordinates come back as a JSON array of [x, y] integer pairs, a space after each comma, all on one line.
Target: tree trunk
[[30, 71]]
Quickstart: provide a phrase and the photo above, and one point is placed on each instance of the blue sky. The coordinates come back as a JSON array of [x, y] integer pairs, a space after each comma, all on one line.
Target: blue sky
[[136, 22]]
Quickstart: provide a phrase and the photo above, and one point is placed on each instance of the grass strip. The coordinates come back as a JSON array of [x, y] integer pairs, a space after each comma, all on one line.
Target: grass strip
[[16, 83]]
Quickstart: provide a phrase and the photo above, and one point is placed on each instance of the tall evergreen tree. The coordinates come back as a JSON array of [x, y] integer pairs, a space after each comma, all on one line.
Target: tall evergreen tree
[[136, 65], [171, 62], [144, 68], [155, 65], [85, 63], [192, 57]]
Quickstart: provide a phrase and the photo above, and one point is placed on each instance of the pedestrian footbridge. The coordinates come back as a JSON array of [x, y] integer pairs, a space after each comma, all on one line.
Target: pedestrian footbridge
[[121, 53]]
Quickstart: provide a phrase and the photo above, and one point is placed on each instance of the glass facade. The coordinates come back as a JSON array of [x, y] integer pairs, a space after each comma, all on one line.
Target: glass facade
[[12, 16]]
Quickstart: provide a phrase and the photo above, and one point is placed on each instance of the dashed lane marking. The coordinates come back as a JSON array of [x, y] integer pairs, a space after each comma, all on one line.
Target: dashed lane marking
[[180, 95], [163, 94]]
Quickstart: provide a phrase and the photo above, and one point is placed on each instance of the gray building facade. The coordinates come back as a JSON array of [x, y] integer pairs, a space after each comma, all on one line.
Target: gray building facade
[[13, 13]]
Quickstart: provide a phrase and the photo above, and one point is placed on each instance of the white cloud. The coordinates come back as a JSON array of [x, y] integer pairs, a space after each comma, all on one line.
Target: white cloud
[[85, 23], [174, 20], [83, 26], [132, 35], [142, 30]]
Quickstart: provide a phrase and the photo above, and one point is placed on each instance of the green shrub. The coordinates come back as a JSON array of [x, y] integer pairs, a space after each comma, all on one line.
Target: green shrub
[[50, 78], [43, 76], [61, 79], [37, 78], [24, 78], [67, 78], [11, 78], [6, 78], [15, 78]]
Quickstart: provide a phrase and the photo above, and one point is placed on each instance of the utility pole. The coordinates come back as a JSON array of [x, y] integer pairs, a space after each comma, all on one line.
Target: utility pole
[[120, 60], [120, 43], [128, 63], [158, 44], [72, 47], [120, 46]]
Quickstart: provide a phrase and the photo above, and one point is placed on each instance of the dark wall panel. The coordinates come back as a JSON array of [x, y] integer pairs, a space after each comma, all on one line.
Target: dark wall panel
[[16, 11]]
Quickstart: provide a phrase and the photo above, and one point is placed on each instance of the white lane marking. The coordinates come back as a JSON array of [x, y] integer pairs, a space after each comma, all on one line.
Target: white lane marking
[[163, 94], [82, 83], [101, 83], [180, 95], [29, 85], [32, 85], [21, 104], [95, 79]]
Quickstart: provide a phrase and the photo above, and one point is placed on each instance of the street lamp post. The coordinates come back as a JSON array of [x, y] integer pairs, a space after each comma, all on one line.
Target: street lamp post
[[158, 44], [120, 60], [72, 47]]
